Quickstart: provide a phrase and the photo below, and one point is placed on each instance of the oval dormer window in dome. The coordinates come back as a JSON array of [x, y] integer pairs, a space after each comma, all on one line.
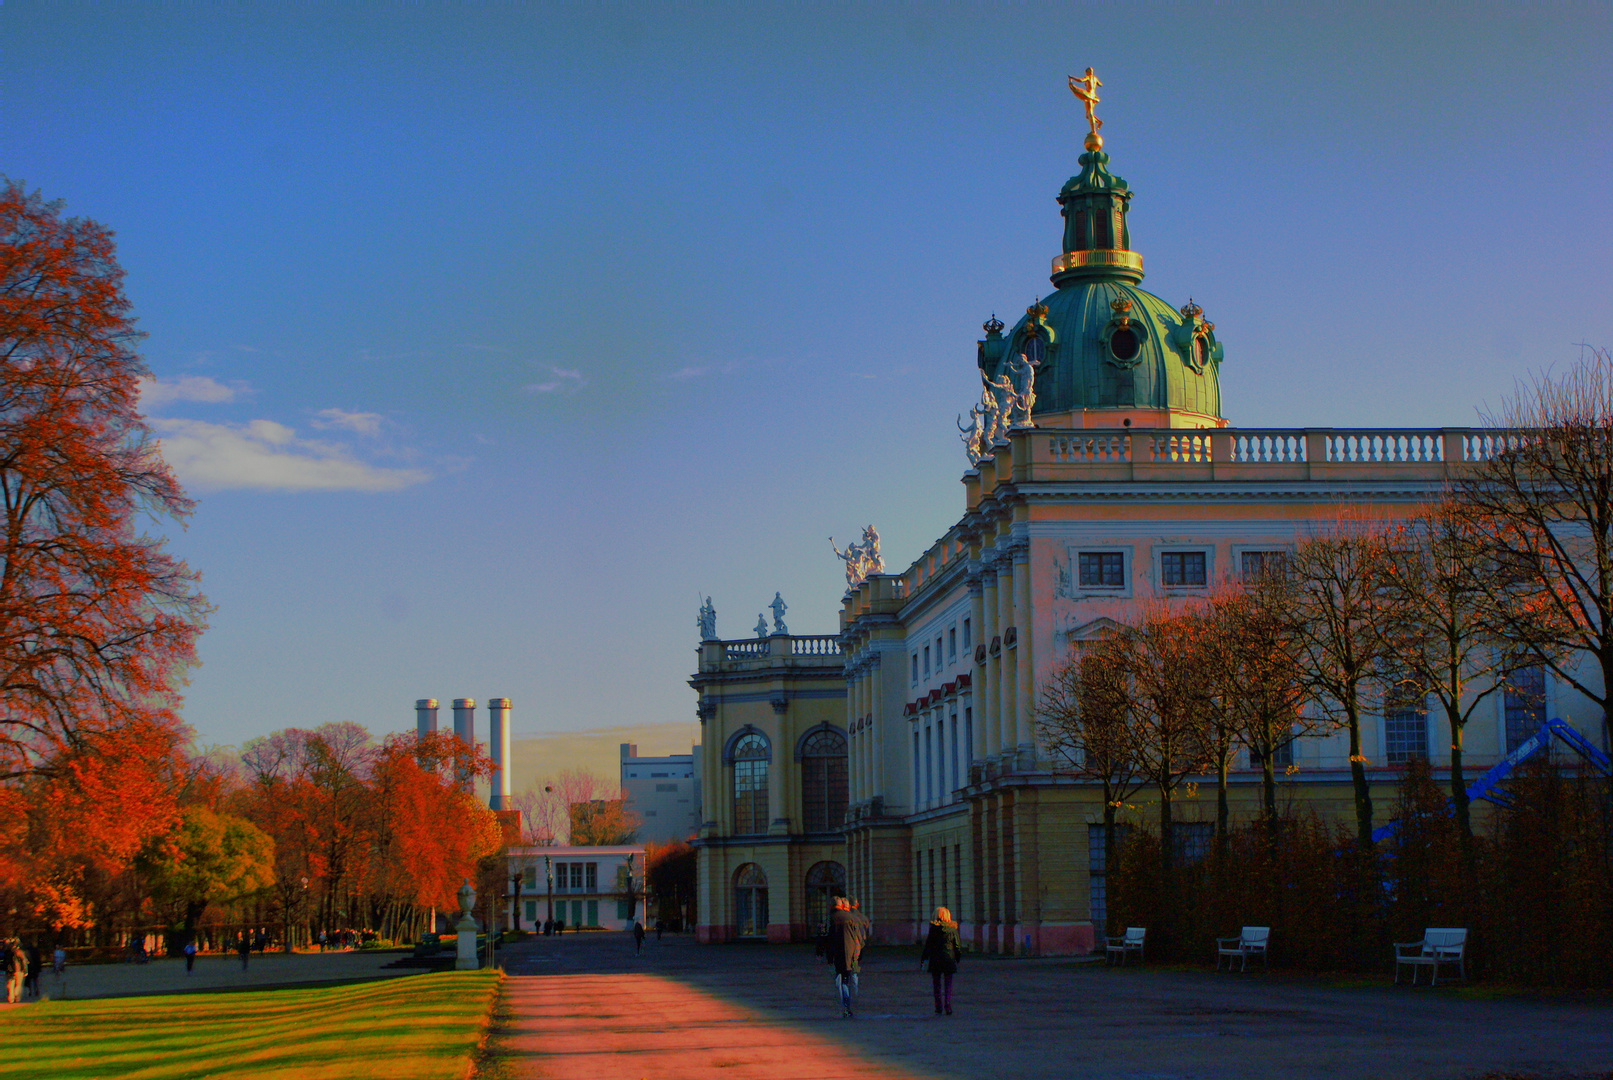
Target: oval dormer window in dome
[[1123, 337]]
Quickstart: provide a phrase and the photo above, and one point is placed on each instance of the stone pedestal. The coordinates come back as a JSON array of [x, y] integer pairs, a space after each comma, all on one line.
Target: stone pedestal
[[466, 932]]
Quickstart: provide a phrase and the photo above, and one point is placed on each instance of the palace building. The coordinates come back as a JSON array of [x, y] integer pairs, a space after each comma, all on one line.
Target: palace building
[[899, 760]]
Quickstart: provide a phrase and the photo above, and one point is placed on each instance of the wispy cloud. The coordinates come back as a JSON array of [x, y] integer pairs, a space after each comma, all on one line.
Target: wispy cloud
[[564, 381], [360, 423], [685, 373], [268, 456], [155, 393]]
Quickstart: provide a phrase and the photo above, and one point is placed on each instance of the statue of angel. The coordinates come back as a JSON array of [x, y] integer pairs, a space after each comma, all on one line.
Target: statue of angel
[[1001, 393], [874, 562]]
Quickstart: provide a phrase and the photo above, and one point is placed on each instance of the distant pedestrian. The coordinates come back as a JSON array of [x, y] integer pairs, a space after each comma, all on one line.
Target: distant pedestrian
[[660, 928], [244, 948], [942, 951], [559, 927], [848, 932], [35, 962], [190, 956], [638, 937], [16, 970]]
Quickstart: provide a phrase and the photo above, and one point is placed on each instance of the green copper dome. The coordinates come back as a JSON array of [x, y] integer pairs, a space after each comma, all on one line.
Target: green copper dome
[[1099, 341]]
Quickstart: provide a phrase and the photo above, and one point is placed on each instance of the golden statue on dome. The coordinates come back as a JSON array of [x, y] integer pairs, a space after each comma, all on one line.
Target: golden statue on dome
[[1086, 88]]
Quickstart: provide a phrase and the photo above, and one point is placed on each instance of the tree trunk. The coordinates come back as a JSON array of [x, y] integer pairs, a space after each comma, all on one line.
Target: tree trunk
[[1358, 777], [1222, 814], [1464, 820]]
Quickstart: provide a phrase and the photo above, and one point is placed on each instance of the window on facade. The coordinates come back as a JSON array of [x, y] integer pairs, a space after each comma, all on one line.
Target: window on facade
[[1098, 863], [590, 880], [666, 787], [969, 733], [938, 652], [966, 633], [926, 660], [955, 784], [750, 785], [929, 771], [1281, 758], [1525, 704], [823, 780], [576, 875], [952, 643], [1405, 725], [918, 780], [940, 755], [1182, 567], [1256, 563], [915, 667], [1102, 568], [1191, 840]]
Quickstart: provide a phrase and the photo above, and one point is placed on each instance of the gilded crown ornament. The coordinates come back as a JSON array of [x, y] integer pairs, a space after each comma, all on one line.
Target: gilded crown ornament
[[992, 325], [1191, 311], [1086, 89], [1121, 308]]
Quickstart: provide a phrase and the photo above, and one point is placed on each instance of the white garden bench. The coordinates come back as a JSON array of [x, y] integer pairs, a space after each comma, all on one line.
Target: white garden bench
[[1251, 941], [1124, 946], [1440, 945]]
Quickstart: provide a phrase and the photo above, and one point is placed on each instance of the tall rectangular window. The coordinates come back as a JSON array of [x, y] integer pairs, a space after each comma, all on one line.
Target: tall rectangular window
[[940, 756], [969, 733], [918, 783], [1191, 840], [938, 652], [590, 881], [929, 772], [952, 643], [1103, 569], [966, 633], [926, 660], [1405, 725], [1256, 563], [576, 876], [1182, 567], [1525, 704], [915, 667], [918, 878], [955, 784]]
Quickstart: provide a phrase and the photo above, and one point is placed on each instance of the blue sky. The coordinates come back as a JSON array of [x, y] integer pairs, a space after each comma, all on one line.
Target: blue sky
[[492, 337]]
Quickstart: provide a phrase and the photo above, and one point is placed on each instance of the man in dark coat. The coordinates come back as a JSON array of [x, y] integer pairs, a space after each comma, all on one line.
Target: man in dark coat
[[848, 932]]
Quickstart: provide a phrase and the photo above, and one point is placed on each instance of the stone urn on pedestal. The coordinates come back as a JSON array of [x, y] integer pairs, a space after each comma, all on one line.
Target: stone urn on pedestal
[[466, 929]]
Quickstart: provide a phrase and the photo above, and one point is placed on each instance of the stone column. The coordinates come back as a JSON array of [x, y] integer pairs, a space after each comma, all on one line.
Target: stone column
[[977, 748], [986, 692], [1004, 678], [877, 725], [781, 775], [853, 745], [1024, 656]]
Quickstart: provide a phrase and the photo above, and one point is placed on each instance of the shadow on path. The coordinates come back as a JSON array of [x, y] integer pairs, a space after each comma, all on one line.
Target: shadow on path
[[585, 1006]]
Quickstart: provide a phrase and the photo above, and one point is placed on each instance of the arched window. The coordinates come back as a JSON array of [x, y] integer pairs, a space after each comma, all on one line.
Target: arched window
[[824, 881], [750, 755], [823, 780], [750, 901]]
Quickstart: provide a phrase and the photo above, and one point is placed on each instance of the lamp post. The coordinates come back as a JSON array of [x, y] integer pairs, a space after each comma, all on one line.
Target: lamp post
[[548, 877]]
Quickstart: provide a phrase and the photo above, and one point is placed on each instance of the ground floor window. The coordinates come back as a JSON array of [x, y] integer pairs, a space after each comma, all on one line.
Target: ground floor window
[[531, 911], [750, 901], [824, 882], [593, 913], [1098, 863], [1525, 704]]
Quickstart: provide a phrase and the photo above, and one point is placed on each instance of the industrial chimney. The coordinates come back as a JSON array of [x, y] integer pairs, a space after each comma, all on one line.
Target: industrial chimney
[[465, 728], [498, 744], [425, 712]]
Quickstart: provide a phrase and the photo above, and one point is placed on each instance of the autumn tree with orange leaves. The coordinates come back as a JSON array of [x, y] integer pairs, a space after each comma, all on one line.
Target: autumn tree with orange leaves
[[98, 622]]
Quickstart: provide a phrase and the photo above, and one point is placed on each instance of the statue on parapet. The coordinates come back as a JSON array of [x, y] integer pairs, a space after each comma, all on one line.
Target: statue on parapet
[[779, 608], [707, 622], [761, 625], [1022, 377], [999, 396], [972, 435], [860, 559]]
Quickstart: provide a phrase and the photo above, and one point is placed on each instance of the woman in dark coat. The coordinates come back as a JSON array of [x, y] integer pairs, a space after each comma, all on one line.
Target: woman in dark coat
[[942, 952]]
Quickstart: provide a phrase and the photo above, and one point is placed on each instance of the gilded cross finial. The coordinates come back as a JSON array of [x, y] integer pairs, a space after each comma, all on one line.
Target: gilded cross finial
[[1086, 88]]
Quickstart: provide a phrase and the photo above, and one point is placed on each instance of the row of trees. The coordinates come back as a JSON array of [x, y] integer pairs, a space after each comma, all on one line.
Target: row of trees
[[1511, 569], [304, 831]]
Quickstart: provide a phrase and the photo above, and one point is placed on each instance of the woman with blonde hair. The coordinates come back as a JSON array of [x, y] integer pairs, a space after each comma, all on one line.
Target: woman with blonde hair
[[942, 952]]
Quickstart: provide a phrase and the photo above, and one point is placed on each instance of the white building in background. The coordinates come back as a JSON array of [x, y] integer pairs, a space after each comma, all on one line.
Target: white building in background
[[664, 792], [587, 887]]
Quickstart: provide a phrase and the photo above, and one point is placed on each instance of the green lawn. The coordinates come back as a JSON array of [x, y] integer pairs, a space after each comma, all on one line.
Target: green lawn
[[415, 1026]]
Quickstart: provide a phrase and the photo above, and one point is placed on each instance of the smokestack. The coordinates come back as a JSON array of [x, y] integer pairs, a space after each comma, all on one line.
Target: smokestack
[[498, 742], [425, 712], [465, 728]]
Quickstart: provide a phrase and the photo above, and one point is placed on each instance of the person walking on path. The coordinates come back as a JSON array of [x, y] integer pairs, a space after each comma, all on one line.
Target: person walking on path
[[16, 967], [848, 932], [35, 962], [190, 956], [942, 952], [244, 948], [638, 937]]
